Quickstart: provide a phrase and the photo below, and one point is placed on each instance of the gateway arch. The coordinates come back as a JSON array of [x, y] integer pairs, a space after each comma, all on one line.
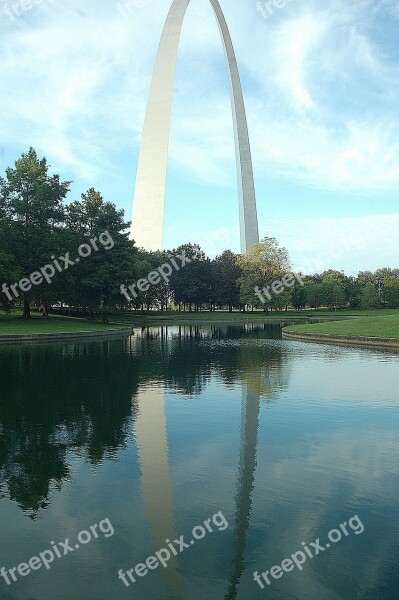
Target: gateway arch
[[149, 197]]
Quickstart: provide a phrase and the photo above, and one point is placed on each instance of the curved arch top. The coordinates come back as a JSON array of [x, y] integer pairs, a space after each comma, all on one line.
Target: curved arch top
[[149, 197]]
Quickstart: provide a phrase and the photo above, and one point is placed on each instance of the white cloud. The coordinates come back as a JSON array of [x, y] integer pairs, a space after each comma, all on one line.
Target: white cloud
[[294, 42]]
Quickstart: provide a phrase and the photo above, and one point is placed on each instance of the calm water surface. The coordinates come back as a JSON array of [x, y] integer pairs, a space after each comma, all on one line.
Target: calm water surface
[[159, 432]]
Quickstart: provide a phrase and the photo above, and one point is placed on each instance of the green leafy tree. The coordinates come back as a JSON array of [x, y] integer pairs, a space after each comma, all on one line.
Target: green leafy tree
[[157, 295], [370, 297], [162, 291], [191, 284], [264, 264], [391, 291], [32, 205], [334, 295], [97, 279], [225, 273], [315, 295], [298, 296]]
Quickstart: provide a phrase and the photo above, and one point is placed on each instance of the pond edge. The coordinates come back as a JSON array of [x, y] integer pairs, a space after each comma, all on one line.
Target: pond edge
[[368, 342], [70, 335]]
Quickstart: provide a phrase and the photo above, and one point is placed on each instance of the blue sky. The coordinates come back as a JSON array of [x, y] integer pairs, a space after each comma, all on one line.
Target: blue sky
[[321, 83]]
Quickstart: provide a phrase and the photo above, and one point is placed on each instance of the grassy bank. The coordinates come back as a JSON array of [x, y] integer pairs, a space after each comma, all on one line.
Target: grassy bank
[[378, 321], [13, 324], [385, 326], [202, 318]]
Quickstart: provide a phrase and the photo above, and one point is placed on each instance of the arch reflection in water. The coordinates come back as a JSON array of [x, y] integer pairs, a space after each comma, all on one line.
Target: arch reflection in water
[[152, 445], [246, 477]]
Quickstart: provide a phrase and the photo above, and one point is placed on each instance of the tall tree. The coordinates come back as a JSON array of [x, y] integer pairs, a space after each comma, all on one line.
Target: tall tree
[[191, 284], [391, 291], [264, 264], [370, 297], [225, 273], [334, 295], [98, 277], [315, 295], [298, 296], [32, 202]]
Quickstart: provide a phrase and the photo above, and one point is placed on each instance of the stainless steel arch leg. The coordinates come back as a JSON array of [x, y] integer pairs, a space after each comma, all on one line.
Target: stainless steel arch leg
[[149, 197]]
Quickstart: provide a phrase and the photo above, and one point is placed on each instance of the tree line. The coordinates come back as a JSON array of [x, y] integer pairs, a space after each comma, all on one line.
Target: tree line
[[38, 224]]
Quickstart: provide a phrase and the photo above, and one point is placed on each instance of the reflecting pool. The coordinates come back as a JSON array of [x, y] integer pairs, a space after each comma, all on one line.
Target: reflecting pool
[[252, 448]]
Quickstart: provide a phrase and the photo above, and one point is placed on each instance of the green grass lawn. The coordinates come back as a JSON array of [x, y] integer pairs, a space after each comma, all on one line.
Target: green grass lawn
[[385, 326], [171, 318], [13, 324]]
